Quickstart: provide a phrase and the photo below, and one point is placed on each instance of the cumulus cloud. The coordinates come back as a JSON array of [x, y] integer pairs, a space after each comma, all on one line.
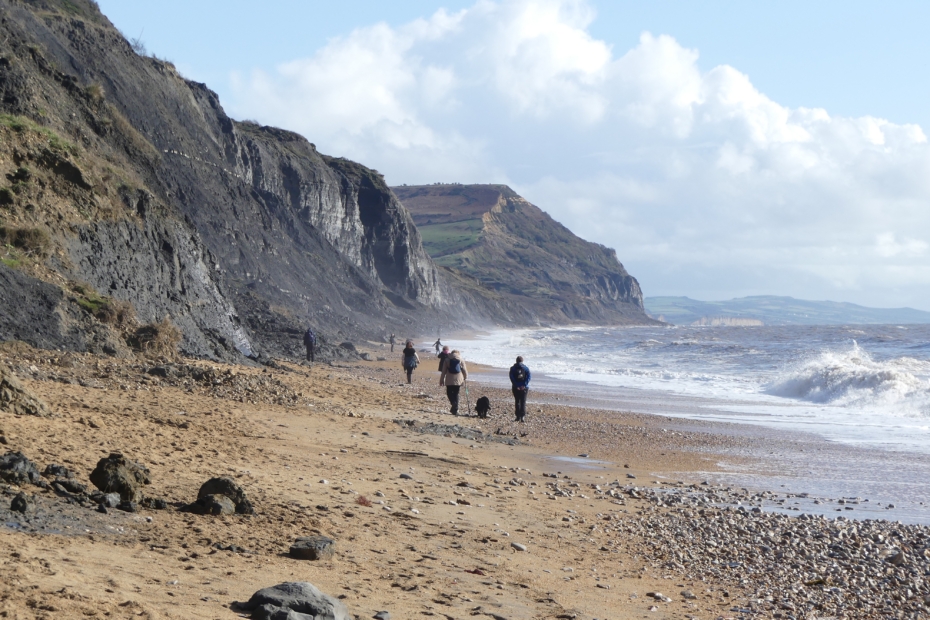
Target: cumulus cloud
[[703, 184]]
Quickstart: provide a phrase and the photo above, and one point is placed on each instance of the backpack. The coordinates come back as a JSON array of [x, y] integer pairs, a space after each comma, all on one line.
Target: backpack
[[453, 366], [309, 337], [410, 361], [520, 374]]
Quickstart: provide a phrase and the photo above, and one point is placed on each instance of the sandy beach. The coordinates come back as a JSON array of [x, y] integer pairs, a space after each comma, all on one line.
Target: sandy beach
[[432, 515]]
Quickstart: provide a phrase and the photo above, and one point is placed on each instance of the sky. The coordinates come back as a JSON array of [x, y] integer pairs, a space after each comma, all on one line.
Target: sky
[[722, 148]]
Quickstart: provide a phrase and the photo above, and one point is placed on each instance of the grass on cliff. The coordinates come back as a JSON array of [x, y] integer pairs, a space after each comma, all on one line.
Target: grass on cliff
[[21, 124], [35, 242], [444, 239], [114, 312]]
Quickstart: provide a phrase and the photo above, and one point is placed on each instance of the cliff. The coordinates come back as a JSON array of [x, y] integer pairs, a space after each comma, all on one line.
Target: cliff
[[518, 260], [242, 234]]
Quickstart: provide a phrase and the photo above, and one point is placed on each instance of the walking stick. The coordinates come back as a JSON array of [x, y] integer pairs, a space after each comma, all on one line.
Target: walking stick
[[467, 400]]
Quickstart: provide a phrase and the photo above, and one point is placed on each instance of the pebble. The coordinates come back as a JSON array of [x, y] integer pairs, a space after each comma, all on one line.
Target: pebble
[[406, 476], [382, 615], [518, 546]]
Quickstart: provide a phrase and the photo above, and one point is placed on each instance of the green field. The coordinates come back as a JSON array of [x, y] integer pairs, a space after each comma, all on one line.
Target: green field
[[445, 239]]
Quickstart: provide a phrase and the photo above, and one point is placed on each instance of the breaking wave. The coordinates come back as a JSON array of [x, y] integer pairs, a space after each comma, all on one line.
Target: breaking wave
[[853, 378]]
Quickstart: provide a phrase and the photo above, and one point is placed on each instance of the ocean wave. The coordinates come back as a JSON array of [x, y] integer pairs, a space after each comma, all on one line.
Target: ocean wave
[[853, 378]]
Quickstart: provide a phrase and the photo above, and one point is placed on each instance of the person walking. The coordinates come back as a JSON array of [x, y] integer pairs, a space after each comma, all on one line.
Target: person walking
[[454, 374], [437, 344], [310, 343], [411, 359], [442, 357], [520, 385], [392, 343]]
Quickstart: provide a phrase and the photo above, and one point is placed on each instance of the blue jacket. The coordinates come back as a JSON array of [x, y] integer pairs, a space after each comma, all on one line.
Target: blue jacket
[[513, 376]]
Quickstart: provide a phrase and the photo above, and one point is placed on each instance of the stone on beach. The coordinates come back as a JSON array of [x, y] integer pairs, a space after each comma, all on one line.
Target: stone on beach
[[20, 503], [213, 505], [15, 468], [295, 600], [227, 486], [313, 548], [117, 474]]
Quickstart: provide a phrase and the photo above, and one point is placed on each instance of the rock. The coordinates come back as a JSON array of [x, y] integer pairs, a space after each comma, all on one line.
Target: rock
[[102, 508], [110, 500], [518, 546], [406, 476], [16, 399], [348, 346], [128, 506], [117, 474], [688, 595], [15, 468], [20, 503], [382, 615], [212, 505], [631, 476], [71, 485], [295, 600], [154, 503], [313, 548], [57, 471], [227, 486]]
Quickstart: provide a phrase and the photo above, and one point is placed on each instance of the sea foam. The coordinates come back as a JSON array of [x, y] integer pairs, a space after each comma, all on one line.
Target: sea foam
[[852, 378]]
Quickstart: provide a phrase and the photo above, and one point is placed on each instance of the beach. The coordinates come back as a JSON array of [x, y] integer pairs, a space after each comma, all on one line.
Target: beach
[[580, 513]]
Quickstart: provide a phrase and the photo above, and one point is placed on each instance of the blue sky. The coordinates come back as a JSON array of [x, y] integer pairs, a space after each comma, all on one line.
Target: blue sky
[[723, 148]]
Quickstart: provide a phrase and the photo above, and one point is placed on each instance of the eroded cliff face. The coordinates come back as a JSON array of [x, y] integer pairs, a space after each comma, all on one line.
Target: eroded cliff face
[[266, 234]]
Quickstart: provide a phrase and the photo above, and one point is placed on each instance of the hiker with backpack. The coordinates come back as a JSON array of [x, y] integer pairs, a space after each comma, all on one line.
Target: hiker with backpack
[[520, 384], [411, 359], [454, 374], [310, 343]]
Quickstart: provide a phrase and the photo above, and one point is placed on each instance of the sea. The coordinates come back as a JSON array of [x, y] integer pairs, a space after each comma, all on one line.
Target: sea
[[857, 396]]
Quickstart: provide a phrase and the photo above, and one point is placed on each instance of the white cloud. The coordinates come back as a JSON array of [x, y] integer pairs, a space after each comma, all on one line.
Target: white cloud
[[703, 184]]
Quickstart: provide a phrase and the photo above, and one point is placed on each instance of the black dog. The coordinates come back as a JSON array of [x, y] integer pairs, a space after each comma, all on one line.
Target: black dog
[[482, 407]]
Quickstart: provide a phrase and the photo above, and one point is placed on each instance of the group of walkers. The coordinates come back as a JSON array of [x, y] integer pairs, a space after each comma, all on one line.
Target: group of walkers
[[453, 374]]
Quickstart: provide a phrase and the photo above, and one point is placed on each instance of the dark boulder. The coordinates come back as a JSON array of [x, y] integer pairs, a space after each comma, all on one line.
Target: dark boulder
[[295, 600], [70, 485], [212, 505], [57, 471], [15, 468], [117, 474], [313, 548], [20, 503], [227, 486]]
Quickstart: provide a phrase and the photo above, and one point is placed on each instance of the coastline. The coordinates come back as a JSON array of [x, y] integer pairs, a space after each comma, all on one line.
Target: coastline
[[306, 444]]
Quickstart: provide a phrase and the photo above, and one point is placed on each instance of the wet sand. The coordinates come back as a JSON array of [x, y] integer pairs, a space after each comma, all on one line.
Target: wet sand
[[308, 444]]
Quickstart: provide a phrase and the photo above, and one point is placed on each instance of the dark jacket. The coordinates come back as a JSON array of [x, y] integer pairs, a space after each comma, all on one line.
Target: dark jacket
[[309, 338], [442, 357], [513, 376]]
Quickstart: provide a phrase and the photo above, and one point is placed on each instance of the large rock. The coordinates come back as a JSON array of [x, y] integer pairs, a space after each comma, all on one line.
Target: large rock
[[212, 505], [117, 474], [16, 399], [295, 600], [313, 548], [228, 487], [15, 468]]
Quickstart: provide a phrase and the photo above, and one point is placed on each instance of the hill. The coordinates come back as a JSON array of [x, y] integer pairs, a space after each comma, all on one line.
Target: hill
[[488, 237], [772, 310]]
